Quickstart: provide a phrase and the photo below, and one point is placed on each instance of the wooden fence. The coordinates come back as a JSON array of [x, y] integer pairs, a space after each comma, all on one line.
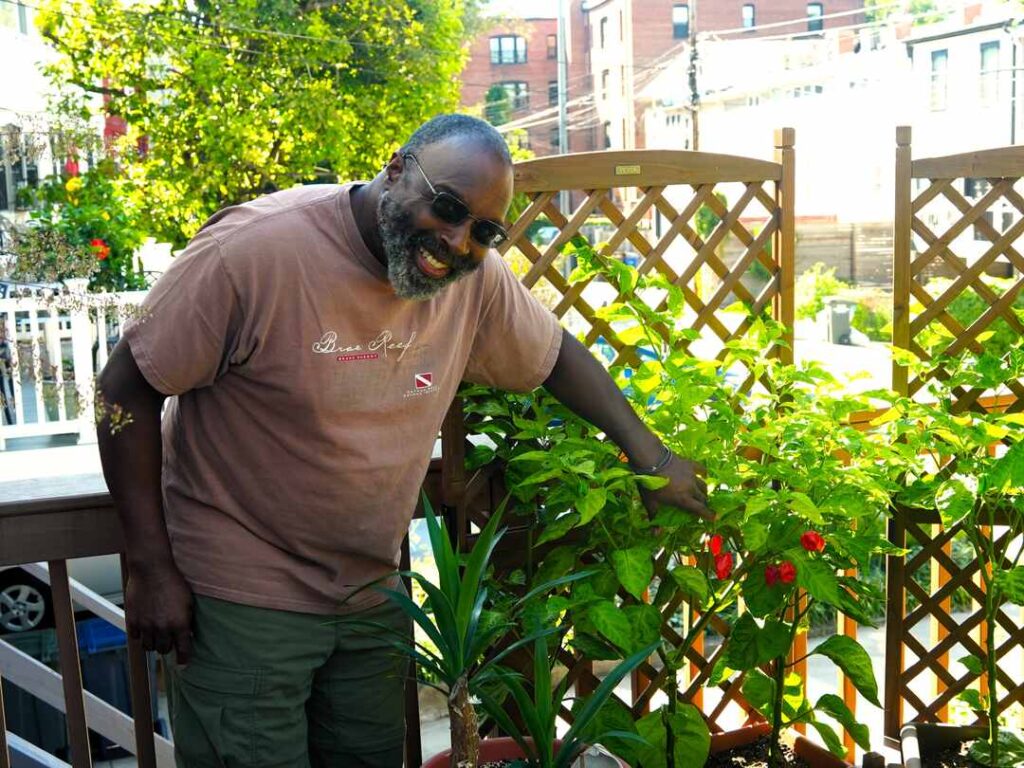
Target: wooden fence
[[931, 194]]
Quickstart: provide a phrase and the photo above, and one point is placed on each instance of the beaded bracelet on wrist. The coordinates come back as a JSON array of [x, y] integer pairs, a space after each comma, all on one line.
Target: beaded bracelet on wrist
[[663, 461]]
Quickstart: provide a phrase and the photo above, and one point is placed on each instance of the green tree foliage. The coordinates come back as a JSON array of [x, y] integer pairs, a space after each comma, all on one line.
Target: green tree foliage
[[228, 100], [923, 11], [497, 106]]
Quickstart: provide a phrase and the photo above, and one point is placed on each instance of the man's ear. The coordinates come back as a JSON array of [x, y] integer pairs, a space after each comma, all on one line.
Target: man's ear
[[393, 169]]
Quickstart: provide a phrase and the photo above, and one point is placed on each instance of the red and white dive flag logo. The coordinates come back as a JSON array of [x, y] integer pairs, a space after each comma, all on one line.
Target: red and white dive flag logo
[[424, 380]]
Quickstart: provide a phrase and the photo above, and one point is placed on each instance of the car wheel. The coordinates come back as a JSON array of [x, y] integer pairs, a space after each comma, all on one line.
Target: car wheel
[[24, 602]]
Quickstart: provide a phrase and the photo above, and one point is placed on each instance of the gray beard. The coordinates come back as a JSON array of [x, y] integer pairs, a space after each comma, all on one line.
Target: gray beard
[[402, 244]]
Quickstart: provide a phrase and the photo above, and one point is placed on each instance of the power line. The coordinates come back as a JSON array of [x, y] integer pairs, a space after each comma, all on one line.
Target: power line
[[660, 62]]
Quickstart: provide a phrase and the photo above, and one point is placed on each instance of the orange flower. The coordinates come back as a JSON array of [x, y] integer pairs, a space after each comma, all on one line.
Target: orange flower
[[100, 248]]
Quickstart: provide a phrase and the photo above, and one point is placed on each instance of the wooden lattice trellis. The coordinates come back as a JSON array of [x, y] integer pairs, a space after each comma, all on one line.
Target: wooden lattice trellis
[[942, 182], [631, 191]]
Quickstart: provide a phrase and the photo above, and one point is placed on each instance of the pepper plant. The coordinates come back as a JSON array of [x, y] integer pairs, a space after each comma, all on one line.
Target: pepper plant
[[801, 498], [972, 474]]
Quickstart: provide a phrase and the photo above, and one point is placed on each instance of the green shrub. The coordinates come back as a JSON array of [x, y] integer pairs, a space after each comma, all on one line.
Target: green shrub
[[812, 286]]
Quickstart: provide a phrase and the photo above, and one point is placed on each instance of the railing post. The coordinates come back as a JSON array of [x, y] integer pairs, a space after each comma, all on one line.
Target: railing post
[[895, 573], [785, 237], [141, 695], [81, 356], [901, 255], [5, 755], [70, 667]]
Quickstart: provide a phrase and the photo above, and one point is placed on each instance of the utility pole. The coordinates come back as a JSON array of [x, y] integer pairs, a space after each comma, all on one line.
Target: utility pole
[[563, 92], [694, 93]]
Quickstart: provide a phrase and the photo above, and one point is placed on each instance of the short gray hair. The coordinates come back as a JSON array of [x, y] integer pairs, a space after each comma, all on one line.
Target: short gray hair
[[450, 126]]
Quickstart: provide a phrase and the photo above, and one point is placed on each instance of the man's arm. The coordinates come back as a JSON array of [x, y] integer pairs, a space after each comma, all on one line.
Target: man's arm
[[585, 387], [158, 601]]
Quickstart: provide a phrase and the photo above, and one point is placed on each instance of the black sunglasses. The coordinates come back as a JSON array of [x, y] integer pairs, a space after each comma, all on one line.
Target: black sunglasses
[[448, 208]]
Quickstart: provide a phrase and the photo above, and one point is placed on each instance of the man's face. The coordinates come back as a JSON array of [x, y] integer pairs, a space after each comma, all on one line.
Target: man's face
[[425, 253]]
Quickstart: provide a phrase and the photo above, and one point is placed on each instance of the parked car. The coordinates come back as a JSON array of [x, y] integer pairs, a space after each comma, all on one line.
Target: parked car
[[26, 602]]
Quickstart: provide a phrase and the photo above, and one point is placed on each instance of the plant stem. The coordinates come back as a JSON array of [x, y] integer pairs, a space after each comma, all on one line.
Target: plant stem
[[465, 730], [775, 747], [992, 600], [991, 608]]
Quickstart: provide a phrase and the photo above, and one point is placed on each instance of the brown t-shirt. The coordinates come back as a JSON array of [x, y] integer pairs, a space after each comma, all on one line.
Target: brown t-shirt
[[309, 396]]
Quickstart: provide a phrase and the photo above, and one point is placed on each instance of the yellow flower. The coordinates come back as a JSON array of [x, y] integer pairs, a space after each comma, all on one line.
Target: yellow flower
[[105, 216], [74, 184]]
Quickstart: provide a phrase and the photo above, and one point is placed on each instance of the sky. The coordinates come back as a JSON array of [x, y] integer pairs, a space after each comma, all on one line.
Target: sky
[[524, 8]]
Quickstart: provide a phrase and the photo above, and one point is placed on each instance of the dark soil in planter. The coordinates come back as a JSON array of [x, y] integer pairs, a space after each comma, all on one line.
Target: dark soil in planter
[[753, 755], [953, 757]]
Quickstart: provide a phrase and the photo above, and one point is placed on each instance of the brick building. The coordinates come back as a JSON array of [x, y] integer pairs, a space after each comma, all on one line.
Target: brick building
[[521, 55], [617, 47]]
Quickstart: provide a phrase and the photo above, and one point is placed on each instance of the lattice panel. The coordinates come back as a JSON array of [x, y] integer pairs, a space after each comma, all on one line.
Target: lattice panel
[[653, 225], [648, 204], [926, 684], [960, 217]]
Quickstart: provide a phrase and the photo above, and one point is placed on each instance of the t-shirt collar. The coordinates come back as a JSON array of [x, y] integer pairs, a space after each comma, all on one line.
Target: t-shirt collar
[[350, 231]]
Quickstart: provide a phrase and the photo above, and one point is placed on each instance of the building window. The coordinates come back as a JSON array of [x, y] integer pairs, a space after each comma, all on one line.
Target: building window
[[552, 92], [602, 31], [508, 49], [815, 22], [552, 46], [749, 16], [680, 21], [989, 73], [553, 141], [607, 134], [605, 77], [939, 84], [518, 94], [976, 188]]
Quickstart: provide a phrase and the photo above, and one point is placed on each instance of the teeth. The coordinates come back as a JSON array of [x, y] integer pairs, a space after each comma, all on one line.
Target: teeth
[[432, 261]]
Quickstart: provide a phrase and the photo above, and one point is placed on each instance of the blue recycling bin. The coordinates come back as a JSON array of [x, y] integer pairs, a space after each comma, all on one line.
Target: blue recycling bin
[[103, 651], [103, 654]]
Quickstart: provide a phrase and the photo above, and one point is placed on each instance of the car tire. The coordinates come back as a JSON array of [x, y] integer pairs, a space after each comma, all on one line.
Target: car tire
[[25, 602]]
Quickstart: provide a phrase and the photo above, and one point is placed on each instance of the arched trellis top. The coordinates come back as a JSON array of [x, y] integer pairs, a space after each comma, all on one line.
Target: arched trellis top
[[607, 170]]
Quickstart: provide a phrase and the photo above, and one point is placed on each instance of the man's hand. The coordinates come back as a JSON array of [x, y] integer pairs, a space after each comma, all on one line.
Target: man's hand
[[158, 610], [686, 489]]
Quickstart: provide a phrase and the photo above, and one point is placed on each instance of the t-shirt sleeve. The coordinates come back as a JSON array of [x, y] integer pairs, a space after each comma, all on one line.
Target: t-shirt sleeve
[[188, 329], [517, 340]]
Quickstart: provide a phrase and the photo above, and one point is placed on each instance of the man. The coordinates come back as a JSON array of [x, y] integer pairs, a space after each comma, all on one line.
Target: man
[[313, 340]]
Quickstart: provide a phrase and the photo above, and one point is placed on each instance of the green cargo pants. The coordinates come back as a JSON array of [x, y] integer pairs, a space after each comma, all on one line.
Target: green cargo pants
[[278, 689]]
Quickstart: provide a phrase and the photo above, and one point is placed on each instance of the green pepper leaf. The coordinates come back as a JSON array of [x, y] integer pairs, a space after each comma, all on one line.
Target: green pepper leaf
[[635, 569], [847, 654]]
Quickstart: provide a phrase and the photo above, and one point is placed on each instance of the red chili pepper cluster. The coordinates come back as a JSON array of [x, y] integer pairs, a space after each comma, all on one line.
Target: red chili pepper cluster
[[784, 572], [812, 541], [723, 560]]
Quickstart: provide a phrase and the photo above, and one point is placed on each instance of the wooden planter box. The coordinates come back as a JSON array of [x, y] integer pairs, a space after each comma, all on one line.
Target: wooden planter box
[[922, 740], [504, 748]]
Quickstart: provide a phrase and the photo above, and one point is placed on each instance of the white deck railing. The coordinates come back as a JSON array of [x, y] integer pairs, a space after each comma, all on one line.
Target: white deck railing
[[51, 348]]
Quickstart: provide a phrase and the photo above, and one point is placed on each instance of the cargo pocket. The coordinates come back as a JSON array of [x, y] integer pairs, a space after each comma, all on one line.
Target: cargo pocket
[[213, 716]]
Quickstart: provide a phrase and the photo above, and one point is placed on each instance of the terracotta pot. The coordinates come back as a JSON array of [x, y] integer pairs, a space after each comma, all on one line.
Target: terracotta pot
[[817, 756], [919, 741], [505, 748], [741, 737]]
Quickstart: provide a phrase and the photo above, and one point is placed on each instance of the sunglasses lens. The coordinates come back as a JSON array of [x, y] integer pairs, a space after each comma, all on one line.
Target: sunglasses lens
[[449, 208], [488, 233]]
